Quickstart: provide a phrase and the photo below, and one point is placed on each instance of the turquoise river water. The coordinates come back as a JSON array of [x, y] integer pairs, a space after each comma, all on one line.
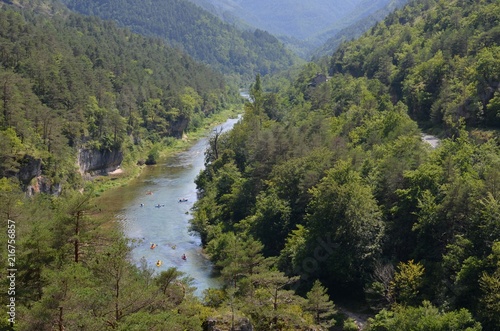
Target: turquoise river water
[[167, 226]]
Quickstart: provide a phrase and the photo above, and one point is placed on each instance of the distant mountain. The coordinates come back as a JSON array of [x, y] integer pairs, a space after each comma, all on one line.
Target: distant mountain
[[298, 18], [237, 53], [47, 7], [355, 29], [302, 25]]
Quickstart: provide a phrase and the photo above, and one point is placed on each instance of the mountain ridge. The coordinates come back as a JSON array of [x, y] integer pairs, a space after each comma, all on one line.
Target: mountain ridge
[[355, 29], [236, 53], [304, 27]]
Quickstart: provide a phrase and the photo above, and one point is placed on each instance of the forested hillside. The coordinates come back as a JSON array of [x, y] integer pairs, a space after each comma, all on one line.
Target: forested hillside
[[72, 82], [238, 54], [324, 191], [288, 17], [354, 29], [441, 59], [305, 26], [331, 176]]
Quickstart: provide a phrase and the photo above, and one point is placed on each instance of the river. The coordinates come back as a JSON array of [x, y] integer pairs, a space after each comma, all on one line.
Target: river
[[167, 225], [431, 140], [245, 93]]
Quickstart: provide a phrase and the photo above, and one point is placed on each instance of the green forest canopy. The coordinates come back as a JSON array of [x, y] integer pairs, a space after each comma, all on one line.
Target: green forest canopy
[[238, 54], [325, 184], [334, 180], [78, 82], [440, 58]]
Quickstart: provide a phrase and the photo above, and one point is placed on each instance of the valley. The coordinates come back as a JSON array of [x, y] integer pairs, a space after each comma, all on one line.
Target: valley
[[356, 191], [304, 26]]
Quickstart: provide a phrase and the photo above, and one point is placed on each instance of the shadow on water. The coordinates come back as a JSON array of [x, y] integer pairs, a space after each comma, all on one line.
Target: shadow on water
[[153, 214]]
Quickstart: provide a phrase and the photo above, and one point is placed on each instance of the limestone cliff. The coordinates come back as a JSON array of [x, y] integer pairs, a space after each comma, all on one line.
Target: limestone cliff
[[90, 162], [99, 162], [32, 180], [29, 168], [42, 184]]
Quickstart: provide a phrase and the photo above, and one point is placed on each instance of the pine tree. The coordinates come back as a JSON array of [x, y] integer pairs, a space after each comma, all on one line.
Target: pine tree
[[320, 305]]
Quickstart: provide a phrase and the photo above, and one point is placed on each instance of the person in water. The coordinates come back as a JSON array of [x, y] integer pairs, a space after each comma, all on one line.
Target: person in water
[[184, 257], [153, 246], [158, 263]]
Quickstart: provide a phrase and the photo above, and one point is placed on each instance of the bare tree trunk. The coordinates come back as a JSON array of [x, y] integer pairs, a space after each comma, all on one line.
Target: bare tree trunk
[[77, 233], [117, 304], [60, 322], [217, 135], [6, 103]]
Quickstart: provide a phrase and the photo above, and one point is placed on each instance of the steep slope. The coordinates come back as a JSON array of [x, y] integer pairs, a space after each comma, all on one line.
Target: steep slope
[[76, 83], [197, 32], [440, 58], [331, 176], [301, 19], [355, 29], [302, 25]]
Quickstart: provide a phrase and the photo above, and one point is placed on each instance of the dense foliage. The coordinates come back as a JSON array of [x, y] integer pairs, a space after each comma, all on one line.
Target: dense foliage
[[240, 54], [355, 29], [73, 82], [305, 26], [324, 190], [439, 57], [340, 187], [332, 177], [70, 82], [75, 274]]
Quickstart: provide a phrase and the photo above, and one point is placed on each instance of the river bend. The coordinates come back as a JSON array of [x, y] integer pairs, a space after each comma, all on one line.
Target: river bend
[[152, 214]]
